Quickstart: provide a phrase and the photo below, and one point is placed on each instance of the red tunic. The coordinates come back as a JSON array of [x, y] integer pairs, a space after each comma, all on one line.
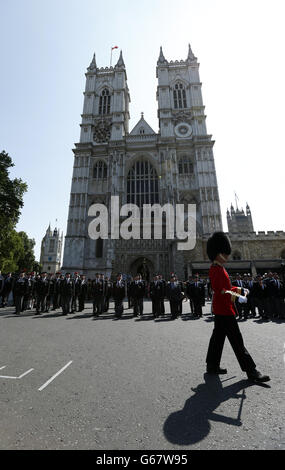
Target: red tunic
[[220, 281]]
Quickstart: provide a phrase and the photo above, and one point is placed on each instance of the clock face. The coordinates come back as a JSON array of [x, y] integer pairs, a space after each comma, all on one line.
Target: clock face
[[183, 129]]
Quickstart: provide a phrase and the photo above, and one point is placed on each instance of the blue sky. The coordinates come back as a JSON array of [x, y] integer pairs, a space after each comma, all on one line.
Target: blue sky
[[46, 47]]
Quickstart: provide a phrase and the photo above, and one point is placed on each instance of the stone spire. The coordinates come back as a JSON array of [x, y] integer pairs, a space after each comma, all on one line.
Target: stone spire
[[120, 62], [161, 59], [93, 64], [190, 57]]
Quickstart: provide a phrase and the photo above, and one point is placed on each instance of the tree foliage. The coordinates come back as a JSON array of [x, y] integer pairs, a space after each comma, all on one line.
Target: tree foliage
[[13, 249], [27, 258], [16, 249], [11, 195]]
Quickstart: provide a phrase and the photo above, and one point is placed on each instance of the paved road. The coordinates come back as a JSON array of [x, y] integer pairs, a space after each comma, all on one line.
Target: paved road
[[84, 383]]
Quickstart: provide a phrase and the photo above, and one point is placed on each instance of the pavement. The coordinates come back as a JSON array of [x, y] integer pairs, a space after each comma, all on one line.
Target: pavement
[[79, 382]]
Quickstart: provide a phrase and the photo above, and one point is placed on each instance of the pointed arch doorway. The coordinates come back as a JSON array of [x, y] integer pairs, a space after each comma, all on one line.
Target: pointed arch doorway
[[143, 266]]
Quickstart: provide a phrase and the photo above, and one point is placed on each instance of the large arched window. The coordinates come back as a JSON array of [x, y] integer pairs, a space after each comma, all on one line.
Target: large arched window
[[185, 165], [179, 96], [142, 184], [105, 102], [100, 170]]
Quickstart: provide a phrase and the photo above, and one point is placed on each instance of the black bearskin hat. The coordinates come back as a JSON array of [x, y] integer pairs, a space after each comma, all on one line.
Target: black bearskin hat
[[218, 243]]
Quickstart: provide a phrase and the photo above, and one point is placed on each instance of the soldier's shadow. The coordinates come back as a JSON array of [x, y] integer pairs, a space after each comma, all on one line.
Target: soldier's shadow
[[192, 423]]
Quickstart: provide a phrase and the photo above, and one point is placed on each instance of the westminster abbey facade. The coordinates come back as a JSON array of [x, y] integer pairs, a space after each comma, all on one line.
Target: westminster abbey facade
[[175, 165]]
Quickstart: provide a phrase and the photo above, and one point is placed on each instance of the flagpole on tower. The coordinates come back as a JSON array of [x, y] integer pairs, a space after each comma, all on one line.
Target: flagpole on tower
[[236, 198], [115, 47]]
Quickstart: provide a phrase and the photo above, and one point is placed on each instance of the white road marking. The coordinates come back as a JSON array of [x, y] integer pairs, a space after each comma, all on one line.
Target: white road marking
[[25, 373], [12, 377], [54, 376], [7, 377]]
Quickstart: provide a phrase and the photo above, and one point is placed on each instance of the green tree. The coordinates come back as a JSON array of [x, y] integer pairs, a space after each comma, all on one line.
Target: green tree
[[11, 195], [14, 250], [11, 202], [27, 258]]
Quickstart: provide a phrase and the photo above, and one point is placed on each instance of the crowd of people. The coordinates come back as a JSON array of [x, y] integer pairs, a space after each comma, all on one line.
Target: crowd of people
[[70, 292]]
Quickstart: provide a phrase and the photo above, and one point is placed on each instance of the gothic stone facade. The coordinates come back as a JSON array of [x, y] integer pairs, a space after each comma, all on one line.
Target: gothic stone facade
[[51, 250], [175, 165], [252, 252]]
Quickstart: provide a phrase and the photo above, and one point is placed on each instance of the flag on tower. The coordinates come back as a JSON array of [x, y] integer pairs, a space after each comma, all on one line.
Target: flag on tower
[[115, 47]]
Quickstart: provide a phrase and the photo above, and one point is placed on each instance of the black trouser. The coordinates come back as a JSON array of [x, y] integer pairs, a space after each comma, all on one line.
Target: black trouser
[[107, 303], [260, 304], [25, 303], [18, 299], [5, 298], [277, 307], [269, 306], [249, 307], [174, 308], [41, 302], [156, 306], [138, 305], [98, 303], [227, 326], [81, 300], [130, 302], [56, 301], [119, 308], [75, 303], [48, 302], [66, 303], [197, 308]]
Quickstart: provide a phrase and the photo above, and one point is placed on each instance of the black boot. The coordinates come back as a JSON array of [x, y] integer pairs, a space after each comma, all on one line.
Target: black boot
[[256, 376]]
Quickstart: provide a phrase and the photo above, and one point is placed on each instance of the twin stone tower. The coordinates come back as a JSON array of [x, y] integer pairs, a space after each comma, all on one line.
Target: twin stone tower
[[174, 166]]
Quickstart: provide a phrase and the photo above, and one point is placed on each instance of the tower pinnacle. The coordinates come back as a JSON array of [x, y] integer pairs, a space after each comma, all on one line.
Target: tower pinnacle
[[93, 64], [161, 59], [190, 56], [120, 62]]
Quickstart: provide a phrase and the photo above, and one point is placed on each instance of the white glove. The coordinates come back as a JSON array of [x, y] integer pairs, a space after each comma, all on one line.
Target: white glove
[[242, 299], [246, 291]]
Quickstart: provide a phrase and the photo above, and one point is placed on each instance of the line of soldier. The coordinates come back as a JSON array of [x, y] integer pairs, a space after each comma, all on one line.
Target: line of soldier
[[136, 289], [266, 295], [44, 292]]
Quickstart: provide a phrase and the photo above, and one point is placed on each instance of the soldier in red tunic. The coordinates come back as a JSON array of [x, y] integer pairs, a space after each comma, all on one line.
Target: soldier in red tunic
[[224, 296]]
